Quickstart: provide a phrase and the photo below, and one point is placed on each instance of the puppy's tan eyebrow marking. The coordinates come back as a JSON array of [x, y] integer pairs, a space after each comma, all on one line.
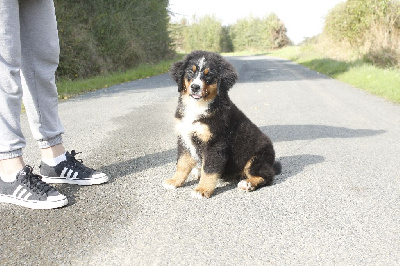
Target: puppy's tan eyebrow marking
[[194, 68], [206, 71]]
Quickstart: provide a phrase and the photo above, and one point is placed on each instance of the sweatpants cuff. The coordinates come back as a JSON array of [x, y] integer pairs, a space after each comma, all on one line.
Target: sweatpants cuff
[[10, 154], [50, 142]]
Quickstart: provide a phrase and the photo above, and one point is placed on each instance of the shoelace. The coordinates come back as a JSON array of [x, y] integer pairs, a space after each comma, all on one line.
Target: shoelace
[[77, 163], [33, 181]]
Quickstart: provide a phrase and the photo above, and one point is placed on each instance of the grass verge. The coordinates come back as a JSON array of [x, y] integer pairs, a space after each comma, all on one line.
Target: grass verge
[[382, 82], [71, 88]]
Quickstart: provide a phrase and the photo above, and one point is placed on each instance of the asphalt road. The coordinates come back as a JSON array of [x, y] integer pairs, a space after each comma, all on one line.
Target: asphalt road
[[337, 200]]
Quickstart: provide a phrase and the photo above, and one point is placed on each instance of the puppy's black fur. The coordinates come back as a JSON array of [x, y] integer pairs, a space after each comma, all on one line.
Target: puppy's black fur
[[214, 136]]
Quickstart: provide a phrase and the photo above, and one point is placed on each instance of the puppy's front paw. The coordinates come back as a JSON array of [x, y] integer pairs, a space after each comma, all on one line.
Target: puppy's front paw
[[245, 186], [200, 193], [169, 184]]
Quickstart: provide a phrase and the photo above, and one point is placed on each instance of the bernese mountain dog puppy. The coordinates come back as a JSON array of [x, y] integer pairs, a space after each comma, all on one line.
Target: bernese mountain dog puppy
[[216, 139]]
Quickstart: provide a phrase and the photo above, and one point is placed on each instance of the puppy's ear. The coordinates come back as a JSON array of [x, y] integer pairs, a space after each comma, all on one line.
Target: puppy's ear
[[177, 72], [229, 76]]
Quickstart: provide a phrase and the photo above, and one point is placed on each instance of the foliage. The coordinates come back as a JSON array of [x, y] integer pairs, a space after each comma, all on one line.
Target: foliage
[[226, 41], [259, 34], [371, 27], [203, 34], [176, 31], [250, 34], [349, 21], [99, 36]]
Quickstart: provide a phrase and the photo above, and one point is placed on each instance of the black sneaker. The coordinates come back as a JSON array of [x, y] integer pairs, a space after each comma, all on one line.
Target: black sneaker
[[31, 192], [71, 171]]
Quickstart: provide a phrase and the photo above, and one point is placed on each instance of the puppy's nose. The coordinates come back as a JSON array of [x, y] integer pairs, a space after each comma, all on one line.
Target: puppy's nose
[[195, 87]]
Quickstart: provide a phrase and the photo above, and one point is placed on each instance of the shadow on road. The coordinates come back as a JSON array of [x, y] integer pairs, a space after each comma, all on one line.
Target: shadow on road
[[293, 165], [308, 132], [124, 168], [139, 164]]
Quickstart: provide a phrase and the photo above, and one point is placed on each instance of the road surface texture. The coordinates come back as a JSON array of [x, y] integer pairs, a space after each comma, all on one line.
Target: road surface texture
[[337, 200]]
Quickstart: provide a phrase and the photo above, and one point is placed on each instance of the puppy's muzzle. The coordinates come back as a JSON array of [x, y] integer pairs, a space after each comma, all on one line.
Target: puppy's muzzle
[[195, 91]]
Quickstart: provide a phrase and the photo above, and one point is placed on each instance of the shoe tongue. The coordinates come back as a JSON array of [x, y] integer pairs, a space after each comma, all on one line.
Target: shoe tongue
[[69, 155], [26, 170]]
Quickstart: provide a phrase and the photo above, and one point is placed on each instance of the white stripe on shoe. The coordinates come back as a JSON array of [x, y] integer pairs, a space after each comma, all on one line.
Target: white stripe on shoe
[[22, 193], [27, 196], [63, 172], [16, 191]]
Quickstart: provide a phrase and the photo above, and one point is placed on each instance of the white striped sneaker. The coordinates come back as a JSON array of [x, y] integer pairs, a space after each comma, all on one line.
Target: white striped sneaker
[[29, 191], [71, 171]]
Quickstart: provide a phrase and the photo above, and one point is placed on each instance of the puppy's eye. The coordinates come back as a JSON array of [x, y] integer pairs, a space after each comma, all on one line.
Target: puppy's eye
[[189, 74]]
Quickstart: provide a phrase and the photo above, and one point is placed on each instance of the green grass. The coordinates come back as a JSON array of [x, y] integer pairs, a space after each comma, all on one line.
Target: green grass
[[71, 88], [382, 82]]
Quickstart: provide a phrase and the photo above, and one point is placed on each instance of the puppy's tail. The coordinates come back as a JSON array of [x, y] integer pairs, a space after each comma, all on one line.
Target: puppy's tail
[[277, 167]]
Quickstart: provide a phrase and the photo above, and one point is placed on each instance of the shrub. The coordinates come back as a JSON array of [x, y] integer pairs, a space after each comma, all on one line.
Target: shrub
[[207, 33], [98, 36], [259, 34], [371, 27]]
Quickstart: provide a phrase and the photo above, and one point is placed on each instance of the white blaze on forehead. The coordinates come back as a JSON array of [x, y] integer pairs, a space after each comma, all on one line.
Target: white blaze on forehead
[[202, 62], [197, 80]]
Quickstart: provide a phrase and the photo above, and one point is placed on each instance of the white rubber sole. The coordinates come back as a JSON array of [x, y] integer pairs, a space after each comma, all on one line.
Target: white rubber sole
[[53, 202]]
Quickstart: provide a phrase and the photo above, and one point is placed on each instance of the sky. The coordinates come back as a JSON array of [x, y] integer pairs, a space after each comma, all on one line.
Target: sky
[[302, 18]]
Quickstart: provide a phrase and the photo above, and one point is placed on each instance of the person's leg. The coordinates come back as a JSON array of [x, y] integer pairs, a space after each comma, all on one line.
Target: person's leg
[[11, 139], [52, 152], [9, 168], [40, 57], [39, 62], [18, 184]]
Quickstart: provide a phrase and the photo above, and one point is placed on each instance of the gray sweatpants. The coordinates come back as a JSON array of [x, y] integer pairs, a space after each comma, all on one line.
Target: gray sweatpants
[[29, 54]]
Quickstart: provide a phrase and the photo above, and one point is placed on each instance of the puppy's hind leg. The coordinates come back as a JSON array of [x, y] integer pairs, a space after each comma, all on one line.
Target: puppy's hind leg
[[184, 166], [257, 175]]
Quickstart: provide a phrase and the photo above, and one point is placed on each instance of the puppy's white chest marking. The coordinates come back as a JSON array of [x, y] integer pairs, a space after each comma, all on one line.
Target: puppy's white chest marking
[[187, 127]]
